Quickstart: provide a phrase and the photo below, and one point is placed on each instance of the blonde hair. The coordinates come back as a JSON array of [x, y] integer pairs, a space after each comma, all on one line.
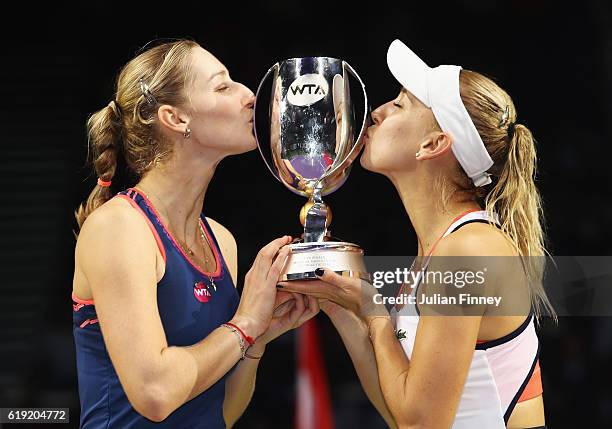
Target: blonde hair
[[127, 126], [513, 195]]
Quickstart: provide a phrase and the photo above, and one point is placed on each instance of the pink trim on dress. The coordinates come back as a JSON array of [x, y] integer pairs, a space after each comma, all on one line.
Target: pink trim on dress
[[80, 301], [88, 322], [160, 245], [177, 246]]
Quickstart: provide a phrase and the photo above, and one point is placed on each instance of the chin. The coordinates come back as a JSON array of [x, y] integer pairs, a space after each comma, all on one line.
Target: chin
[[246, 145], [365, 160], [364, 163], [251, 143]]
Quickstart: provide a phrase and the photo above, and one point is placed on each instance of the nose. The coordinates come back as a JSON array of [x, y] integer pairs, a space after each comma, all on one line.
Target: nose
[[250, 102], [369, 119], [249, 98], [377, 116]]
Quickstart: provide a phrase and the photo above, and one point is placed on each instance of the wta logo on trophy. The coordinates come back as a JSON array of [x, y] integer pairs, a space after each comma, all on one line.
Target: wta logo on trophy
[[307, 89]]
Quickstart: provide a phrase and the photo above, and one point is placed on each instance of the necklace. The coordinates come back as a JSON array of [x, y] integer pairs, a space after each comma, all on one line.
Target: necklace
[[204, 243], [183, 244]]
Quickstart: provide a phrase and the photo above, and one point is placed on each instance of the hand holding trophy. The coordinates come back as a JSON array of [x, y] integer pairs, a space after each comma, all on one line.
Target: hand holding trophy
[[312, 145]]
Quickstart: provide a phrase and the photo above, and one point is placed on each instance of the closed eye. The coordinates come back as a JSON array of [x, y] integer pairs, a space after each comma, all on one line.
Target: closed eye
[[397, 104]]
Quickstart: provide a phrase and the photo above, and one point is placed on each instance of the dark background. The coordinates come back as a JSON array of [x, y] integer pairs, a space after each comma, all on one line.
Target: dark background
[[59, 64]]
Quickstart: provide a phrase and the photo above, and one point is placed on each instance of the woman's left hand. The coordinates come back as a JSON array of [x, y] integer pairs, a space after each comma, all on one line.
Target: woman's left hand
[[351, 293], [292, 310]]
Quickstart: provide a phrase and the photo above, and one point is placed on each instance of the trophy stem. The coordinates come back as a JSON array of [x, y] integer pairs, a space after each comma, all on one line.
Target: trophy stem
[[317, 218]]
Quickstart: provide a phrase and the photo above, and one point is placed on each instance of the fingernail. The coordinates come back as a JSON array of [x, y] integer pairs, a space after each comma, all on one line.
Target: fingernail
[[319, 272], [279, 286]]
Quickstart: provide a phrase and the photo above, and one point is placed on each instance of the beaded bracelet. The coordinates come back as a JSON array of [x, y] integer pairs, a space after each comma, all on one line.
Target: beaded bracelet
[[240, 339]]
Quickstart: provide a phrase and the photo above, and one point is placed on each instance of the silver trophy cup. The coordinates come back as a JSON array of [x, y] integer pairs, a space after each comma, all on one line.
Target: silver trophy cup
[[311, 146]]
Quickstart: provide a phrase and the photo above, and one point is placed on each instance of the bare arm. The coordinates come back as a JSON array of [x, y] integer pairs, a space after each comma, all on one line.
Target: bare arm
[[239, 387], [423, 391], [117, 254], [353, 332]]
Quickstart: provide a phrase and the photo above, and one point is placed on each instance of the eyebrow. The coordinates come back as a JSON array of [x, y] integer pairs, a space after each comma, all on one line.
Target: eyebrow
[[219, 73]]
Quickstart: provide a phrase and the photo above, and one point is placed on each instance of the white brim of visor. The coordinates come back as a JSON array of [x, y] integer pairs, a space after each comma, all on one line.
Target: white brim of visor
[[438, 89]]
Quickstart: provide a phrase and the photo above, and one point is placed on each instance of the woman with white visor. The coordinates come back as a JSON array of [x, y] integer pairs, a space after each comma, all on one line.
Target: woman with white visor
[[465, 171]]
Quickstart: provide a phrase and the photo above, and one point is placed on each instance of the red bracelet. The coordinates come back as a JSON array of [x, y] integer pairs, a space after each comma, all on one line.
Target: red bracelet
[[248, 339]]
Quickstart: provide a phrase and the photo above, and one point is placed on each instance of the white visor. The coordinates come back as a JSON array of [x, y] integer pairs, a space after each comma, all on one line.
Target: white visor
[[438, 89]]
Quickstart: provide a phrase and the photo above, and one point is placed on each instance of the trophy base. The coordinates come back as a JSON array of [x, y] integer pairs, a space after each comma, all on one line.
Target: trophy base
[[344, 258]]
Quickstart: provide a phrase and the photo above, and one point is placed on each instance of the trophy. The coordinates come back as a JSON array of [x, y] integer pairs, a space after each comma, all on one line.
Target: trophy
[[310, 149]]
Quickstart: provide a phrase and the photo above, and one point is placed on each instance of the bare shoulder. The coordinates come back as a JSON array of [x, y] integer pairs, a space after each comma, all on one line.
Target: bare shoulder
[[115, 217], [478, 247], [114, 231], [475, 239], [496, 275]]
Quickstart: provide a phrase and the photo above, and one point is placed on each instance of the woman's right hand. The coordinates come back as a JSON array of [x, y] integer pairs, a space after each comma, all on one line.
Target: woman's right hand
[[258, 295]]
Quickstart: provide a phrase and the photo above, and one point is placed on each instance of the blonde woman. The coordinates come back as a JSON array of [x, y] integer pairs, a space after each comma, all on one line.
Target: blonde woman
[[162, 337], [464, 169]]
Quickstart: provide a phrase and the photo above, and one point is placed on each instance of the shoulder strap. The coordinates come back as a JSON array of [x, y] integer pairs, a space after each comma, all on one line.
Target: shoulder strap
[[468, 222], [130, 197], [480, 216]]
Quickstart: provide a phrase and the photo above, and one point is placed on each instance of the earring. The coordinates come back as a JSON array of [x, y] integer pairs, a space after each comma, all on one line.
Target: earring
[[187, 133]]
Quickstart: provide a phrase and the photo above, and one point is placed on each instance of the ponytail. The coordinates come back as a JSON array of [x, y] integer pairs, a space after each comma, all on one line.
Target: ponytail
[[104, 132], [517, 202], [513, 197], [129, 125]]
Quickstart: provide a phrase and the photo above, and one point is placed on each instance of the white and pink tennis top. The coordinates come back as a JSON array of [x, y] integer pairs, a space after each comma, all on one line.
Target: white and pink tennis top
[[503, 372]]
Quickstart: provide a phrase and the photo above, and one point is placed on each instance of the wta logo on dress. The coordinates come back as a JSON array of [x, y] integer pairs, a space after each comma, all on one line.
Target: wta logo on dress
[[307, 89], [201, 292]]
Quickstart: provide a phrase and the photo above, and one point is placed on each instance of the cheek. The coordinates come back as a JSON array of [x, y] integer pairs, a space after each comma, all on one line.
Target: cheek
[[390, 149], [219, 110], [224, 125], [216, 117]]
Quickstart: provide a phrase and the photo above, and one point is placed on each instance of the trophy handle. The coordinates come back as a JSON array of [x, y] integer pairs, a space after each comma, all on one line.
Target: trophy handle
[[366, 111], [342, 166], [267, 159]]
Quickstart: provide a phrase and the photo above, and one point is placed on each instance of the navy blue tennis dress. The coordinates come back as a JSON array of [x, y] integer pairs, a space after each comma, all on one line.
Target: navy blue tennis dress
[[191, 303]]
